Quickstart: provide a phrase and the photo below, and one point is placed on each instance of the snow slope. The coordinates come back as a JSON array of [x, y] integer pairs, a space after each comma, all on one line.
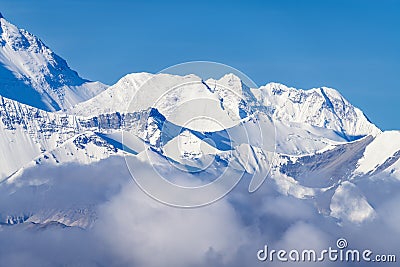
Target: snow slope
[[115, 99], [25, 132], [382, 155], [83, 149]]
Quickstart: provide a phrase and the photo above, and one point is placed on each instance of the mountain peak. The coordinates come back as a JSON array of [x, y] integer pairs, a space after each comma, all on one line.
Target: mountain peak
[[321, 107], [33, 74], [230, 76]]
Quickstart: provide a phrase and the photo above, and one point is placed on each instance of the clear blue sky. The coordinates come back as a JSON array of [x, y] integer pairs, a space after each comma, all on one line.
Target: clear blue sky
[[353, 46]]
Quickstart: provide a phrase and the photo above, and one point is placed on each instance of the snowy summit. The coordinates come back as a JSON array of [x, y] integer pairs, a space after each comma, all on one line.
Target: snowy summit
[[33, 74]]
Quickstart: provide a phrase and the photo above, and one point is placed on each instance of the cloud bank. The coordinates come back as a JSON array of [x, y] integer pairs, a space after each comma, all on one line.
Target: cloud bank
[[132, 229]]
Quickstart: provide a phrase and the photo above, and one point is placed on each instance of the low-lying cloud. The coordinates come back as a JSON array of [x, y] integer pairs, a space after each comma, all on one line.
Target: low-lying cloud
[[132, 229]]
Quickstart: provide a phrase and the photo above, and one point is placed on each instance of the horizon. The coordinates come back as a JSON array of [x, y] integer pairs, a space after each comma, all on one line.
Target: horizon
[[362, 68]]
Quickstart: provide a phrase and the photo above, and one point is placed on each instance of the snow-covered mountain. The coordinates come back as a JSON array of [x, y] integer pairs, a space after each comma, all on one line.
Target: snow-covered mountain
[[33, 74], [305, 121], [312, 132], [29, 134], [65, 143], [59, 170], [337, 177], [322, 107]]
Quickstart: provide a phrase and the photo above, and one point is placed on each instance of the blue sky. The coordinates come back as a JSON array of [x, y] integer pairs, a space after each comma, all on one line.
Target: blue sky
[[353, 46]]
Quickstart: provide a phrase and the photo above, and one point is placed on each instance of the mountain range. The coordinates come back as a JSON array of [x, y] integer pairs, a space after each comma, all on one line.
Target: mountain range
[[324, 149]]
